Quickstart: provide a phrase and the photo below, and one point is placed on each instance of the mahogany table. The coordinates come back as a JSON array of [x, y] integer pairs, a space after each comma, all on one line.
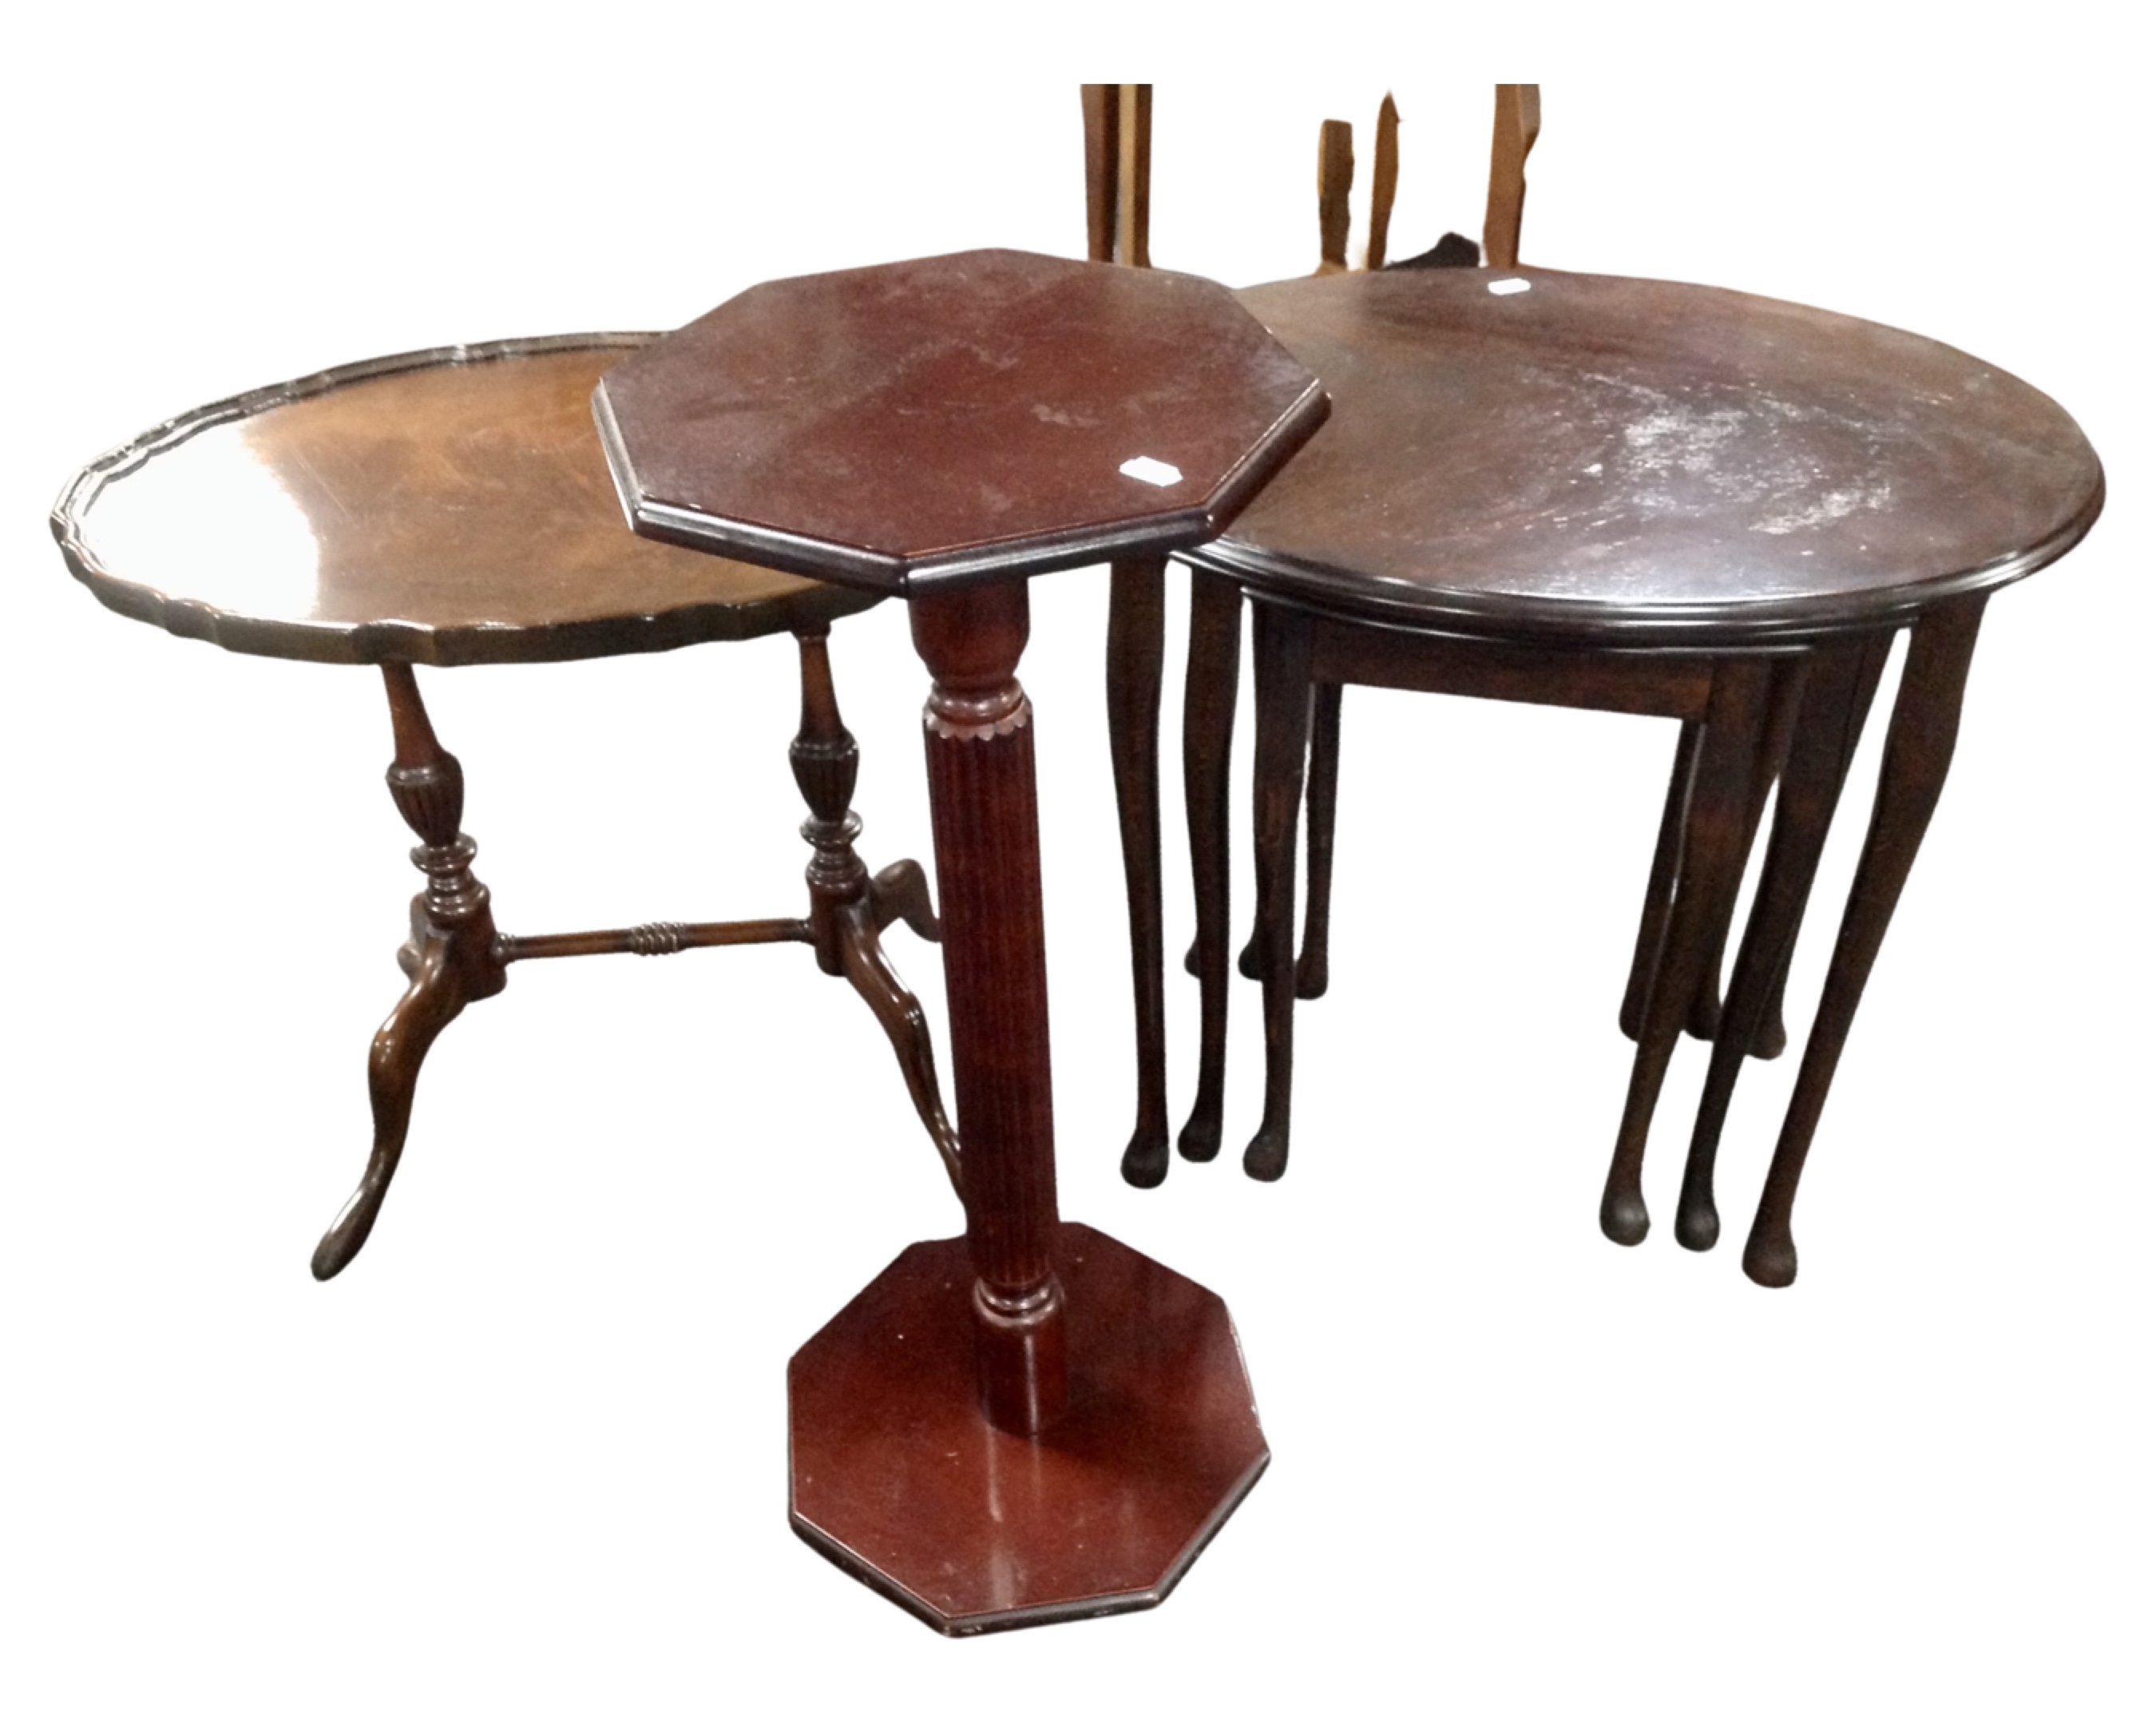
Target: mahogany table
[[451, 507], [1638, 495], [944, 430]]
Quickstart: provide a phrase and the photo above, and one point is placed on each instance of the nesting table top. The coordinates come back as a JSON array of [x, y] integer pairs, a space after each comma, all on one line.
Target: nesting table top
[[1535, 452]]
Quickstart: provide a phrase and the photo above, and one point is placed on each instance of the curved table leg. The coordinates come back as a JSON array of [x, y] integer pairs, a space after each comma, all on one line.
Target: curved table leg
[[1661, 883], [1284, 698], [1313, 970], [870, 972], [1811, 784], [1209, 729], [1137, 628], [1321, 799], [1920, 743], [898, 892], [848, 908], [452, 961], [1704, 1019], [1711, 852]]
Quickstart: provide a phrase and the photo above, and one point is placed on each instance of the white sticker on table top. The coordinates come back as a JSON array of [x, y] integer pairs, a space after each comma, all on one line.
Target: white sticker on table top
[[1509, 285], [1153, 472]]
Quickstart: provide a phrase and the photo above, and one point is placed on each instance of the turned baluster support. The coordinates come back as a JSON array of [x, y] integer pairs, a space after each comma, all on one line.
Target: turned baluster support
[[451, 957], [978, 734]]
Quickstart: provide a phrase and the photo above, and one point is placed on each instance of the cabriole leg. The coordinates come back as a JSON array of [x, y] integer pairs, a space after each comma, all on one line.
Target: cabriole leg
[[1209, 730], [1920, 743], [847, 908], [1282, 656], [1710, 851], [451, 960], [1137, 629], [1835, 696]]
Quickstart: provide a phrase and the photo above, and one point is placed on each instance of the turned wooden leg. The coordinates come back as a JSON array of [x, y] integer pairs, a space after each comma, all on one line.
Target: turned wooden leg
[[1919, 743], [847, 908], [452, 960], [1209, 729], [1285, 696], [1661, 883], [1137, 629], [979, 736], [1711, 850], [1704, 1019]]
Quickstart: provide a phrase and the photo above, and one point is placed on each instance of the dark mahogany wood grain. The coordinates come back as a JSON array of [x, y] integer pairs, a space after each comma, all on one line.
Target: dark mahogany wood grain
[[899, 1481], [1136, 602], [955, 419], [1920, 744], [453, 506], [445, 507], [1600, 459], [949, 426], [1648, 496], [978, 728]]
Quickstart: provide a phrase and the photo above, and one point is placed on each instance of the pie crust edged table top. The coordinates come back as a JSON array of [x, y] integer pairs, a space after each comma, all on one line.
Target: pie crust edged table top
[[444, 507], [1626, 462]]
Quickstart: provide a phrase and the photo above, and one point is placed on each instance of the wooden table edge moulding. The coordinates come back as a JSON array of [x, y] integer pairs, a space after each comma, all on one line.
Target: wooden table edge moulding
[[450, 507], [1034, 1422]]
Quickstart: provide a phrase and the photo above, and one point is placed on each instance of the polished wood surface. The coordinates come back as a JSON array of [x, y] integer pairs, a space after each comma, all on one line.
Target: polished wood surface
[[951, 426], [456, 955], [1543, 509], [453, 508], [448, 507], [1647, 463], [899, 1483], [983, 415]]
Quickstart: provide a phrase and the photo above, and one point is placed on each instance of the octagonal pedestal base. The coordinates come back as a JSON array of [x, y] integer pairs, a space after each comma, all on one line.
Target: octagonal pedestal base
[[898, 1480]]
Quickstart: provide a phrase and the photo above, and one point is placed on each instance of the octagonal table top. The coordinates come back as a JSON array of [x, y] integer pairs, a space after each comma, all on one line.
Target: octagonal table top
[[447, 507], [1615, 461], [956, 418]]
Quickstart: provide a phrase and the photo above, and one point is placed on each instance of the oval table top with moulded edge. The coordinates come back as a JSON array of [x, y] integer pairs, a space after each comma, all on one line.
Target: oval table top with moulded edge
[[446, 507], [1643, 463]]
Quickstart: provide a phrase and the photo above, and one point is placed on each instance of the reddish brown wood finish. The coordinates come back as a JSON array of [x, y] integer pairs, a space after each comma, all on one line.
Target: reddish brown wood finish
[[899, 1482], [451, 960], [1604, 460], [1136, 602], [453, 506], [1835, 685], [1543, 507], [1053, 413], [1208, 722], [447, 507], [945, 425], [1920, 743], [978, 728]]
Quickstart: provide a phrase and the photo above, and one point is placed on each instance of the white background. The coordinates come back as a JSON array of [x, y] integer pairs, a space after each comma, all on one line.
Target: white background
[[526, 1458]]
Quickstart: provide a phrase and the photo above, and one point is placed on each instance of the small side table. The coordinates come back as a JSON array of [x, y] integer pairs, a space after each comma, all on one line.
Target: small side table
[[451, 507], [1035, 1422]]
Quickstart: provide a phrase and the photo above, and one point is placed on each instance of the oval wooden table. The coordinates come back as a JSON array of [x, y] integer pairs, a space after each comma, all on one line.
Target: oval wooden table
[[452, 507], [1637, 495]]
